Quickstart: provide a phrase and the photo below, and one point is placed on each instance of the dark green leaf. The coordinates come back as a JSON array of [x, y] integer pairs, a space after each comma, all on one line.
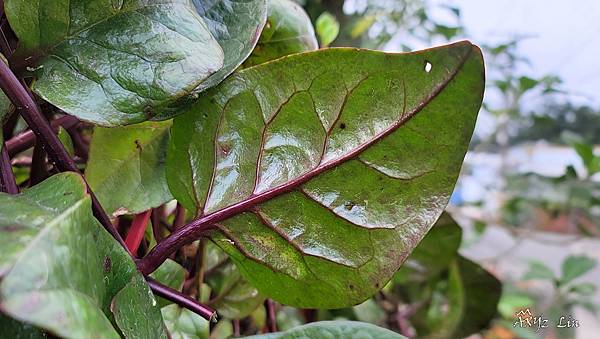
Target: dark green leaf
[[335, 164], [11, 328], [575, 266], [334, 329], [327, 28], [61, 271], [440, 246], [288, 30], [171, 274], [184, 324], [115, 62], [472, 299], [126, 168], [236, 24]]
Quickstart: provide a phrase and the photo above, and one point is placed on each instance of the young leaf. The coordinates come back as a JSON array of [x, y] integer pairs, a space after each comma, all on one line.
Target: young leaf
[[236, 25], [327, 28], [327, 168], [575, 266], [126, 168], [61, 271], [288, 30], [333, 329], [115, 62]]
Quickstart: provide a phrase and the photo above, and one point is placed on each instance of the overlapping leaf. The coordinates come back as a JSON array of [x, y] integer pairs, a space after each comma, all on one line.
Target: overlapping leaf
[[326, 169], [61, 271], [115, 62], [288, 30], [126, 168], [334, 329], [236, 24]]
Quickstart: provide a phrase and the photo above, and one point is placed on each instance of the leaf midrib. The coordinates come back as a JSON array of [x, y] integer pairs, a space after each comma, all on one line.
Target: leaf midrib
[[255, 199]]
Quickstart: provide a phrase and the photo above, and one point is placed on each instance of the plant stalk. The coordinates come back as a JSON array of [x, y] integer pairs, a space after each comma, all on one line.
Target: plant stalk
[[25, 140], [29, 110], [136, 231], [182, 300], [7, 177]]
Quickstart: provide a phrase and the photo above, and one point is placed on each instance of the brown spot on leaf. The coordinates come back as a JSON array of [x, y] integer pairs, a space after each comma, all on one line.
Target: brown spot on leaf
[[107, 265], [138, 145], [343, 125]]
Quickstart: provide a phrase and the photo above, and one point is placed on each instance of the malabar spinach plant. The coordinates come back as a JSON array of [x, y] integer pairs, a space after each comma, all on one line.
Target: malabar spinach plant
[[193, 156]]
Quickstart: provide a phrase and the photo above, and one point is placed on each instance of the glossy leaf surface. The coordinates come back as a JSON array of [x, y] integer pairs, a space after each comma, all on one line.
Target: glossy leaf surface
[[61, 271], [288, 30], [334, 329], [126, 168], [236, 24], [115, 62], [327, 168]]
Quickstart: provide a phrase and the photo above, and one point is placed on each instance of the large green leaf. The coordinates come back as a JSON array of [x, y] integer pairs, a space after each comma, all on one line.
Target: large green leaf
[[334, 330], [126, 168], [325, 169], [236, 24], [61, 271], [288, 30], [115, 62]]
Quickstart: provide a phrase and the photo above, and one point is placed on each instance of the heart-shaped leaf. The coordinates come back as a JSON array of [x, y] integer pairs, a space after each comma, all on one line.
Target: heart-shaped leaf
[[288, 30], [236, 24], [325, 169], [61, 271], [126, 168], [334, 329], [115, 62]]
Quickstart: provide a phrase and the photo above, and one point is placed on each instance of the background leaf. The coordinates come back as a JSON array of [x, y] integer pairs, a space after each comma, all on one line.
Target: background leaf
[[115, 62], [288, 30], [315, 125], [126, 168], [575, 266], [334, 329], [233, 296], [184, 324], [171, 274], [236, 24], [327, 28], [62, 271]]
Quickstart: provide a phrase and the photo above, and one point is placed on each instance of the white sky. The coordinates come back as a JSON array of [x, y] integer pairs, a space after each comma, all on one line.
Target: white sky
[[564, 37]]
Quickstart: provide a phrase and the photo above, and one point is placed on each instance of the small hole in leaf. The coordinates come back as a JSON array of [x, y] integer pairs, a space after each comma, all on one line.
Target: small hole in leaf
[[351, 287], [342, 125], [349, 205], [428, 66]]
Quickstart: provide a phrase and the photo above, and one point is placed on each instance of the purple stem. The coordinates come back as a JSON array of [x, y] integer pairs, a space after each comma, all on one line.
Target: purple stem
[[271, 318], [182, 300], [29, 110], [7, 177], [25, 140]]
